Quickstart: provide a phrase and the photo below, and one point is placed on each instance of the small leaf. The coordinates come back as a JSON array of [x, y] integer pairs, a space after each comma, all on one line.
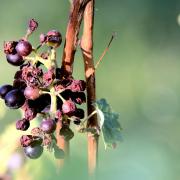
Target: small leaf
[[111, 128], [67, 133]]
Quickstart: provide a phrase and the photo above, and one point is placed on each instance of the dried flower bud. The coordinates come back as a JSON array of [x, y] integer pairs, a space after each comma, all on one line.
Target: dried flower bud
[[45, 55], [77, 85], [68, 107], [10, 47], [48, 77], [28, 140], [32, 25], [42, 38], [22, 124], [36, 131]]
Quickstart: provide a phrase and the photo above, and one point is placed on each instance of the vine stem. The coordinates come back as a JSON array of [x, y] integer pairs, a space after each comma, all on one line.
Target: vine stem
[[87, 52], [70, 45]]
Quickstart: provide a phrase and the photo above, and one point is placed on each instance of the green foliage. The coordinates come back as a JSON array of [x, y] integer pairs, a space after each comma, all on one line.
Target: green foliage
[[108, 121]]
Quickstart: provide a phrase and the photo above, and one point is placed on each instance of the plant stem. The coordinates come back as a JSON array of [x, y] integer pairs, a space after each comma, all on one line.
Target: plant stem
[[87, 51], [73, 27], [72, 32]]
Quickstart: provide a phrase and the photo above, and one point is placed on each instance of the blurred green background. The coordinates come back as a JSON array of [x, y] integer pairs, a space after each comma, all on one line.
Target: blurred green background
[[139, 76]]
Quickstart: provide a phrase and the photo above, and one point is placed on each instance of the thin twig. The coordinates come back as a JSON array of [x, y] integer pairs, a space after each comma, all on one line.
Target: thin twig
[[105, 51]]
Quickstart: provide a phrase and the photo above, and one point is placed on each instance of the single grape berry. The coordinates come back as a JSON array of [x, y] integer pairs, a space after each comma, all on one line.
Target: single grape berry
[[79, 113], [22, 124], [14, 99], [14, 59], [68, 107], [24, 48], [33, 152], [31, 92], [48, 126], [4, 90], [40, 103], [53, 38]]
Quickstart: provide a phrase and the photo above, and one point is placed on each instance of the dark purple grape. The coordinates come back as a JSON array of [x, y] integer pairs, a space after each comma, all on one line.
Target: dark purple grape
[[14, 59], [14, 99], [48, 126], [22, 124], [31, 93], [33, 152], [68, 107], [79, 113], [19, 84], [24, 48], [4, 90], [67, 94], [40, 103]]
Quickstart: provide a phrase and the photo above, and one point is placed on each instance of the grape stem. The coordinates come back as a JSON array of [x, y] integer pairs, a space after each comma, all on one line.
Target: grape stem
[[87, 52]]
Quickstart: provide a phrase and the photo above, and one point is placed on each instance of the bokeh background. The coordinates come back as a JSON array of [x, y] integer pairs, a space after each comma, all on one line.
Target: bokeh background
[[139, 76]]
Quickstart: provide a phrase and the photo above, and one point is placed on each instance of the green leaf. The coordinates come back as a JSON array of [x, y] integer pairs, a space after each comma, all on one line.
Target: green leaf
[[110, 126]]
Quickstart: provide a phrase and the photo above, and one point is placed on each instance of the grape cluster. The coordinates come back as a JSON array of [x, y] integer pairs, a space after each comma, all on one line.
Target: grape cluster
[[42, 89]]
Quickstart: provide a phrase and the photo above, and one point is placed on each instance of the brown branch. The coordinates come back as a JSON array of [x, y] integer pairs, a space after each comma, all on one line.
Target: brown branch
[[73, 27], [87, 51], [75, 18]]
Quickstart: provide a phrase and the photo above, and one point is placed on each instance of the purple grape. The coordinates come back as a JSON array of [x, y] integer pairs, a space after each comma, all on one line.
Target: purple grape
[[14, 59], [23, 48], [31, 93], [48, 126], [79, 113], [40, 103], [14, 99], [4, 90], [33, 152]]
